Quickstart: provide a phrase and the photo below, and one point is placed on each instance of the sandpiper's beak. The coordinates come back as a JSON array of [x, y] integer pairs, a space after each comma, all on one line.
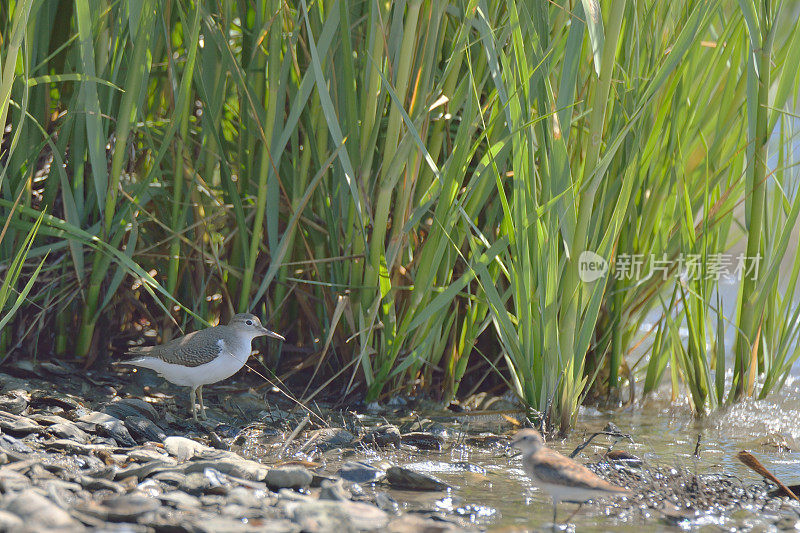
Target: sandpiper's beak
[[272, 334]]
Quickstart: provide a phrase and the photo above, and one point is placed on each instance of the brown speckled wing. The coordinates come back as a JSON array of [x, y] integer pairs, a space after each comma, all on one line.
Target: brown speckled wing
[[549, 466], [193, 349]]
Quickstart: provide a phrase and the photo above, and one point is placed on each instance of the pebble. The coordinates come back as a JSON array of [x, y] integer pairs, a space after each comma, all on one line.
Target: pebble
[[405, 478], [142, 471], [123, 508], [36, 511], [42, 398], [123, 408], [179, 500], [247, 497], [68, 430], [183, 449], [288, 477], [196, 483], [143, 455], [106, 426], [18, 425], [12, 481], [358, 472], [10, 522], [381, 436], [94, 484], [143, 429], [73, 447], [13, 402], [333, 490], [337, 517], [169, 477], [14, 445], [329, 438], [423, 440]]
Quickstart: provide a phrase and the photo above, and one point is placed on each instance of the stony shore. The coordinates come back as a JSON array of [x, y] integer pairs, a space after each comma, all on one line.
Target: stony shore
[[75, 456]]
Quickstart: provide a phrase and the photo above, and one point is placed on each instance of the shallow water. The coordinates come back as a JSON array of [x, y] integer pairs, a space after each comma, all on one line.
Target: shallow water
[[498, 496]]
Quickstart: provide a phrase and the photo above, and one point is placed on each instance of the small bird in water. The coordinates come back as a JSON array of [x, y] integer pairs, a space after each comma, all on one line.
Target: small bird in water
[[204, 356], [558, 475]]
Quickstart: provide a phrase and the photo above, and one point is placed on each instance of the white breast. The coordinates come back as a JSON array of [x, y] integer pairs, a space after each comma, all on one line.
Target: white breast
[[223, 366]]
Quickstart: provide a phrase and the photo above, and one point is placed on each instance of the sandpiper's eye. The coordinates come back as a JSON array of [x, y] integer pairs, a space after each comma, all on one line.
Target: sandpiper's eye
[[249, 322]]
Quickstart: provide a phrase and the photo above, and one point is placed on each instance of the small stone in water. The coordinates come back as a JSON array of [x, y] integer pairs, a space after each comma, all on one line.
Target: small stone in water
[[358, 472], [329, 438], [404, 478], [382, 436], [423, 440]]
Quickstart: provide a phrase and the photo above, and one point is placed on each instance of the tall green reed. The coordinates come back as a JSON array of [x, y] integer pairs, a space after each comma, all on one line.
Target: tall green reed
[[395, 181]]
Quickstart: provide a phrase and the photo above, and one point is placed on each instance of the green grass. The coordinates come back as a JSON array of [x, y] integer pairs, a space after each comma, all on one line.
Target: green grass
[[406, 188]]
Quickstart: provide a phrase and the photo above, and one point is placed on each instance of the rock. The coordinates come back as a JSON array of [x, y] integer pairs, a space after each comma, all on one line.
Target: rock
[[94, 484], [386, 503], [62, 493], [170, 477], [423, 440], [183, 449], [358, 472], [123, 408], [10, 522], [106, 425], [37, 472], [226, 431], [43, 398], [94, 418], [336, 517], [333, 490], [39, 513], [382, 436], [486, 440], [217, 442], [19, 425], [48, 419], [14, 445], [143, 429], [12, 481], [76, 448], [196, 483], [624, 458], [179, 500], [123, 508], [228, 463], [245, 497], [404, 478], [143, 471], [329, 438], [13, 402], [68, 430], [242, 468], [288, 477], [102, 472], [144, 455]]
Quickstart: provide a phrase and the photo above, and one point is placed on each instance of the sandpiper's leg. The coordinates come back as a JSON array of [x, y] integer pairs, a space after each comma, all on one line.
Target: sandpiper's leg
[[555, 512], [202, 406], [191, 402]]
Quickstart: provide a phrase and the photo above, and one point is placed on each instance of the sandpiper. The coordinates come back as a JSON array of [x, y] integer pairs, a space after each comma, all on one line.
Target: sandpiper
[[204, 356], [560, 476]]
